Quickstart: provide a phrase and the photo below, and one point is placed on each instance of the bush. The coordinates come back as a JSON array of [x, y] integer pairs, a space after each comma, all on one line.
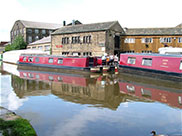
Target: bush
[[18, 127], [17, 44]]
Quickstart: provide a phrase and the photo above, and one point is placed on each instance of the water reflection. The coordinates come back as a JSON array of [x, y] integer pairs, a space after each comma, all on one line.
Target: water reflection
[[152, 89], [58, 103]]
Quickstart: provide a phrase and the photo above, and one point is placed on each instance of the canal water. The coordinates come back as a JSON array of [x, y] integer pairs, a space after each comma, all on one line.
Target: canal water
[[75, 104]]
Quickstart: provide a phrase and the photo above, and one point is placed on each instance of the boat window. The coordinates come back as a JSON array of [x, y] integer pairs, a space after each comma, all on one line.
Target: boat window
[[51, 60], [60, 61], [147, 62], [37, 76], [24, 58], [60, 79], [30, 59], [25, 74], [51, 78], [180, 67], [131, 60], [30, 75], [36, 59], [145, 93], [131, 89], [179, 99]]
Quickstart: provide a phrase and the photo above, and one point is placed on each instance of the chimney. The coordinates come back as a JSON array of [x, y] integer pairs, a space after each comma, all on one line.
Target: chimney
[[64, 23], [73, 22]]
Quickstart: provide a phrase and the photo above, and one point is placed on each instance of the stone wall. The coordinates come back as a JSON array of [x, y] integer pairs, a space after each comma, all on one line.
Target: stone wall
[[96, 45]]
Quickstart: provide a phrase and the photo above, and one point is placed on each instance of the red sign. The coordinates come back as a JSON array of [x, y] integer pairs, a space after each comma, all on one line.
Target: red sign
[[59, 46]]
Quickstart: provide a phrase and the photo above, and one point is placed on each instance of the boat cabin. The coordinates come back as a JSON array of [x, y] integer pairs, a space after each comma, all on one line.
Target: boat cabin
[[65, 62], [156, 63]]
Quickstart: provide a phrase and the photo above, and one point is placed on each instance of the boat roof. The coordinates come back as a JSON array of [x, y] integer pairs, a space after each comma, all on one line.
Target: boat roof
[[155, 54], [58, 56]]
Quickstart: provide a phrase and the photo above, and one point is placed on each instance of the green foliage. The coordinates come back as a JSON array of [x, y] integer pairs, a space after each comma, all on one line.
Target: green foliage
[[17, 44], [18, 127]]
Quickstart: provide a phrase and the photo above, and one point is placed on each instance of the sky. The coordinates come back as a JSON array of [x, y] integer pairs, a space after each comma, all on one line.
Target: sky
[[129, 13]]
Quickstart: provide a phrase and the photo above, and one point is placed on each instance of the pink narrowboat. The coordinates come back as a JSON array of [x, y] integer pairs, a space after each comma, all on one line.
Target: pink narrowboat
[[60, 62], [150, 92], [74, 79], [153, 65]]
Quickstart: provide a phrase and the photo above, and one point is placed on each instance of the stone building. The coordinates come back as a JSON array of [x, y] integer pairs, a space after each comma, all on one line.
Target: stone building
[[32, 31], [87, 39], [43, 44], [148, 40]]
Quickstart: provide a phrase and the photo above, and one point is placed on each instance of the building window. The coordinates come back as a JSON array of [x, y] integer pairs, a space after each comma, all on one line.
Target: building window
[[65, 40], [50, 31], [147, 62], [40, 47], [65, 53], [87, 39], [131, 60], [51, 60], [60, 61], [87, 54], [147, 40], [29, 31], [47, 47], [75, 40], [146, 51], [166, 40], [129, 40], [43, 31], [76, 53], [180, 40], [36, 37], [36, 31], [29, 39]]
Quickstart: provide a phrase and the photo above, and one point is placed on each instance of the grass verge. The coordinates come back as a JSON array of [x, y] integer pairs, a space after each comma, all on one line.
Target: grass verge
[[18, 127]]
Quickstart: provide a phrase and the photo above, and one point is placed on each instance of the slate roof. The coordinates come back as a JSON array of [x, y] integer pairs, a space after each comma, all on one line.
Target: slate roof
[[153, 31], [41, 41], [180, 25], [85, 28], [40, 25]]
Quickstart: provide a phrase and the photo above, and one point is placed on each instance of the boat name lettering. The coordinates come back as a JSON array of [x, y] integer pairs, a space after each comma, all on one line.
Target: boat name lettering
[[164, 60]]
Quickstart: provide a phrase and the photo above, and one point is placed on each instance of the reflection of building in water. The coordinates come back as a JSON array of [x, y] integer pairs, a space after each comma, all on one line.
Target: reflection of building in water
[[155, 90], [96, 93], [23, 87]]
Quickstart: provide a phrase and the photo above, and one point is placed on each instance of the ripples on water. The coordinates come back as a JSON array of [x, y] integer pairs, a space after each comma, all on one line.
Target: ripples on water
[[72, 104]]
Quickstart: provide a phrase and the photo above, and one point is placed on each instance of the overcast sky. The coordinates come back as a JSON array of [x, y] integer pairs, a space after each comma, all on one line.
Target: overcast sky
[[129, 13]]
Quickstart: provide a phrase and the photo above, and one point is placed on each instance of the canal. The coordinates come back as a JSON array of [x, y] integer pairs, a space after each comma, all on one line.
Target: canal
[[72, 104]]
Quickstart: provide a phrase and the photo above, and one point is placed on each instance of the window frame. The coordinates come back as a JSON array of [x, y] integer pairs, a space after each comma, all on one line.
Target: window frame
[[180, 66], [50, 61], [60, 61], [30, 59], [147, 62], [130, 60]]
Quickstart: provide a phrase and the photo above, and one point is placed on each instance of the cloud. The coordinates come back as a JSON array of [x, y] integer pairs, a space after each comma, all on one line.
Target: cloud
[[130, 13]]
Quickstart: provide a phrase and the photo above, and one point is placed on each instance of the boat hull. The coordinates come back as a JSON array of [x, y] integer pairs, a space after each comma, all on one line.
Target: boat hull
[[151, 73]]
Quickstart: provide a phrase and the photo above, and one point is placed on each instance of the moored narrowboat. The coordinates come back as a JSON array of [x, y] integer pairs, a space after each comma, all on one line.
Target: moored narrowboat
[[60, 62], [153, 65]]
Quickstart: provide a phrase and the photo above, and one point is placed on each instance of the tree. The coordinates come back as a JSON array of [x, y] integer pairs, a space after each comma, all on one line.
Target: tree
[[17, 44]]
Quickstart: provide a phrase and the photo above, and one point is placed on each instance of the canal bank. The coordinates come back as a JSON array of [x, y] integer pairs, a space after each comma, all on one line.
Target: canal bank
[[13, 125]]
